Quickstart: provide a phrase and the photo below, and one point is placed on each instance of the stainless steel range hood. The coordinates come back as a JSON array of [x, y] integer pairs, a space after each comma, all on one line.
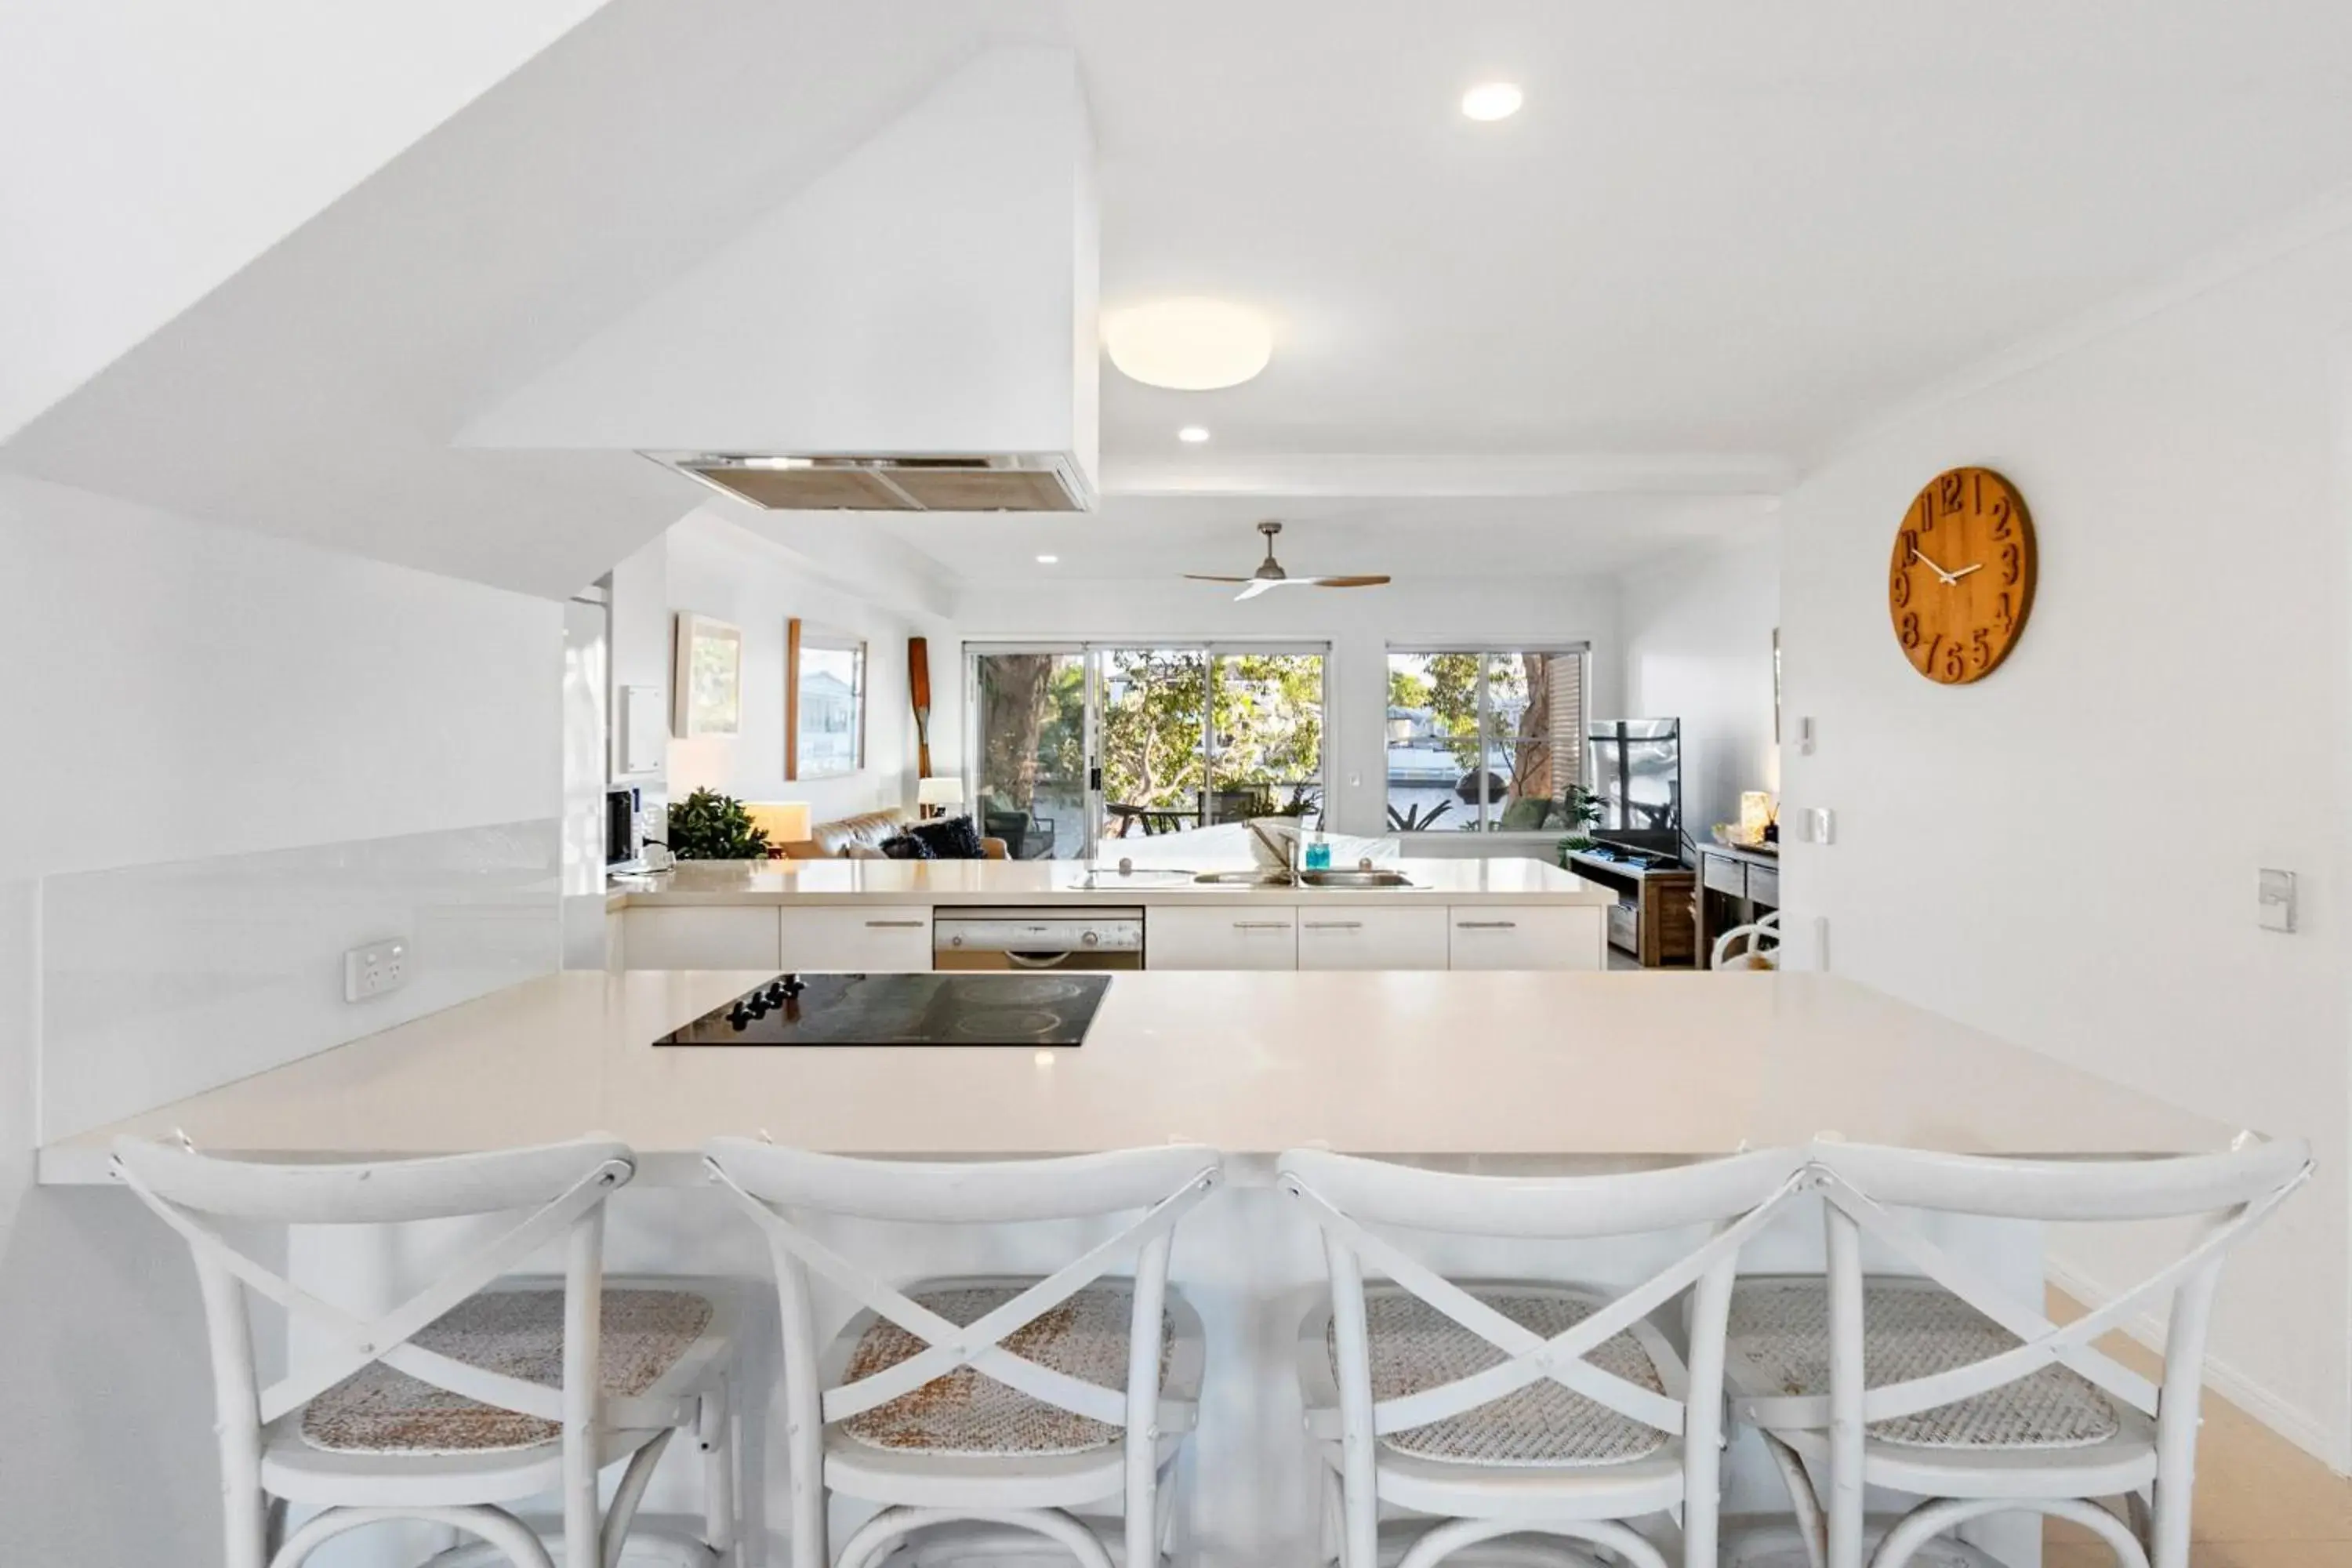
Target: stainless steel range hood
[[891, 482]]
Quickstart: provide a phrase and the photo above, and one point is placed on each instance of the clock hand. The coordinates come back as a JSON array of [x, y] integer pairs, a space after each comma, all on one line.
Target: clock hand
[[1931, 566], [1963, 571]]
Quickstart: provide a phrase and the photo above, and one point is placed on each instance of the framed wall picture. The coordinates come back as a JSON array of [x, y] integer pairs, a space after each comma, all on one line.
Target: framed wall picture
[[707, 689], [824, 701]]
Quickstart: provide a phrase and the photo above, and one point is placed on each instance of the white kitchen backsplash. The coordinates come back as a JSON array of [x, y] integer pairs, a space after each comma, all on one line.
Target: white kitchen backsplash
[[160, 982]]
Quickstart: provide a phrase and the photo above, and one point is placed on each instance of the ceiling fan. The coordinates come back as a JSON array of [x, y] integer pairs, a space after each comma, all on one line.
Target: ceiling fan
[[1270, 574]]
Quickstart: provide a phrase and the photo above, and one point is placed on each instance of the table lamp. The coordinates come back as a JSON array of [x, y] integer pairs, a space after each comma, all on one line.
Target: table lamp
[[1755, 816], [783, 821], [937, 796]]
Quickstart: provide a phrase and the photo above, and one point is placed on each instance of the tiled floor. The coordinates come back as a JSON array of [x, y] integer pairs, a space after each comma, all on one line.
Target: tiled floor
[[2262, 1502]]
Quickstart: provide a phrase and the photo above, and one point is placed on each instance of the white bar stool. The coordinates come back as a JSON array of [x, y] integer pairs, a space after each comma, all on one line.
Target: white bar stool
[[479, 1391], [1504, 1408], [1943, 1387], [1016, 1404]]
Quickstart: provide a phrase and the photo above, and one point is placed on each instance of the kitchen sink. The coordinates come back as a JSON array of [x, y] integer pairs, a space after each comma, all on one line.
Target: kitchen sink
[[1358, 879], [1251, 879]]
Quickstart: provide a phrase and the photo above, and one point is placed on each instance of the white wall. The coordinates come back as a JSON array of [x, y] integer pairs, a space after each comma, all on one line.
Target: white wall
[[715, 569], [1358, 624], [170, 693], [1697, 634], [2065, 853], [212, 130]]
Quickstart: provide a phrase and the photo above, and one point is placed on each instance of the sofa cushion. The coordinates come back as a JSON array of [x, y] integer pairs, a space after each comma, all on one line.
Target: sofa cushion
[[906, 846], [869, 827], [950, 838]]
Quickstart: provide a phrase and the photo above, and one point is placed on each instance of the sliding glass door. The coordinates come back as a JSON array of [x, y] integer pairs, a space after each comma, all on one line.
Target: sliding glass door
[[1083, 743]]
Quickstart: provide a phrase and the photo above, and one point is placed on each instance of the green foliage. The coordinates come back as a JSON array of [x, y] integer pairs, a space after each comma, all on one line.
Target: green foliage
[[1267, 709], [708, 825], [1417, 819]]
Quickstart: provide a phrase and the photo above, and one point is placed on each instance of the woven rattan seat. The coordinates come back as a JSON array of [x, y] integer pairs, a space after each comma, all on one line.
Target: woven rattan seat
[[968, 1412], [1414, 1346], [1780, 1345], [382, 1410]]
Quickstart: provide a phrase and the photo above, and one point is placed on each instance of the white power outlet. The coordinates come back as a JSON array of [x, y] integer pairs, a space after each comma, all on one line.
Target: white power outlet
[[375, 969]]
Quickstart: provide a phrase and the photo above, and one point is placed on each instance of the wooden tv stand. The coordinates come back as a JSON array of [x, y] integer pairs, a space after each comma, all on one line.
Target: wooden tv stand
[[1655, 918]]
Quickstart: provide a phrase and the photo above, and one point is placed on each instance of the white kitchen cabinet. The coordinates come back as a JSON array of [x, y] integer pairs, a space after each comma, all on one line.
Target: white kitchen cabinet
[[725, 936], [1526, 936], [1360, 938], [858, 939], [1225, 936]]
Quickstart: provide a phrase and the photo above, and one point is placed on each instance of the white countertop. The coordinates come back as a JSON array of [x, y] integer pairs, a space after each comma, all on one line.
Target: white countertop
[[1501, 880], [1440, 1063]]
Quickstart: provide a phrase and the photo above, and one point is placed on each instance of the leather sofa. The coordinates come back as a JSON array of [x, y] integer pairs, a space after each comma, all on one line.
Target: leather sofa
[[861, 836]]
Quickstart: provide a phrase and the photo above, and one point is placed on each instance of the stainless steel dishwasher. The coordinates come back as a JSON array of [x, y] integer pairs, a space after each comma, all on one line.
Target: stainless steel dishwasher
[[1109, 938]]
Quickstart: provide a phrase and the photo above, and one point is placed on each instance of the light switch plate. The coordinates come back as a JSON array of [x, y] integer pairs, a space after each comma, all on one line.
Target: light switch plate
[[2275, 896], [1814, 825], [375, 968]]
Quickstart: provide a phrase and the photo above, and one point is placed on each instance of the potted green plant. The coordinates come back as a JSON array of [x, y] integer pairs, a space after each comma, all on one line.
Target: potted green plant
[[1580, 808], [708, 825]]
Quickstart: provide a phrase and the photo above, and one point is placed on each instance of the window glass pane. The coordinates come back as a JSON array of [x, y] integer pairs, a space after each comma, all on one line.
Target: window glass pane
[[1032, 711], [1432, 743], [1536, 706], [1154, 718], [1268, 758]]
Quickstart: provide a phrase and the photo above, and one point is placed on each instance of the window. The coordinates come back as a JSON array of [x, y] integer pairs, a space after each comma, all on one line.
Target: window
[[1484, 740], [1085, 742]]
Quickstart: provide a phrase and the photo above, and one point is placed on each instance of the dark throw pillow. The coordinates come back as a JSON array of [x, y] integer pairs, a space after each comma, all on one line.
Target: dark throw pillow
[[949, 838], [906, 847]]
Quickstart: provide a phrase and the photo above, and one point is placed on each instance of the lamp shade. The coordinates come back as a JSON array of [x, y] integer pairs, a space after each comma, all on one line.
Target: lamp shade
[[783, 821], [939, 792], [1755, 816]]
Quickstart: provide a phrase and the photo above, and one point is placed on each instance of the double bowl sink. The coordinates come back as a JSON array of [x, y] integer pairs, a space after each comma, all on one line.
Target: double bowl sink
[[1361, 877]]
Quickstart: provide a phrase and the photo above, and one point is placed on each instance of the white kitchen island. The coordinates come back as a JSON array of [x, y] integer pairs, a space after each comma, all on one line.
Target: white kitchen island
[[1491, 1071]]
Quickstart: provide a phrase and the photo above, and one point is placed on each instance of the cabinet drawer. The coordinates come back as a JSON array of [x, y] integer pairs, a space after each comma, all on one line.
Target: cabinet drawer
[[1226, 937], [1371, 939], [884, 939], [1529, 936], [721, 937], [1624, 926], [1764, 885], [1724, 874]]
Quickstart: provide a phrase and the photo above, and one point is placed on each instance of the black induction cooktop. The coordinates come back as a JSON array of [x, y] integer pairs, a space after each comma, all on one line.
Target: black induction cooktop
[[1036, 1010]]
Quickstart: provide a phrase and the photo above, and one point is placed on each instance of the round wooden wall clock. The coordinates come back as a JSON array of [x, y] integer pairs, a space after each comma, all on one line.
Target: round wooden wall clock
[[1961, 579]]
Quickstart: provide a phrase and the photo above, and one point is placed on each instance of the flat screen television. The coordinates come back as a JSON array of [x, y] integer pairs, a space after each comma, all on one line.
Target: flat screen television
[[1637, 772]]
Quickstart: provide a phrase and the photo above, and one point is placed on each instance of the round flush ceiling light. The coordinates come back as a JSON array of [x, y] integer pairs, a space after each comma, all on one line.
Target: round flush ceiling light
[[1492, 101], [1189, 345], [1193, 434]]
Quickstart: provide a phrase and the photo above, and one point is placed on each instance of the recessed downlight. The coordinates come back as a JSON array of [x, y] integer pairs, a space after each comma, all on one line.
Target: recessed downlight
[[1194, 434], [1493, 101], [1048, 560], [1188, 345]]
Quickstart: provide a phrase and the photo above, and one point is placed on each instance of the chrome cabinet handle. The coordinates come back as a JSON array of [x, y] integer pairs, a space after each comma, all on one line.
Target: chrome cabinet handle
[[1486, 925], [894, 925], [1334, 925], [1261, 925]]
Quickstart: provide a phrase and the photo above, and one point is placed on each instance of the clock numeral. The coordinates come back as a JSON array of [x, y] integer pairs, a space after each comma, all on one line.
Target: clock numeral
[[1951, 489], [1908, 629], [1981, 647], [1898, 587], [2010, 558], [1927, 514], [1998, 512], [1955, 664], [2003, 614], [1906, 549]]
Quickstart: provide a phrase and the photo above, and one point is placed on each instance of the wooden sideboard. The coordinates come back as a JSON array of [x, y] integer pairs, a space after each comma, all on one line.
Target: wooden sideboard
[[1735, 887], [1652, 919]]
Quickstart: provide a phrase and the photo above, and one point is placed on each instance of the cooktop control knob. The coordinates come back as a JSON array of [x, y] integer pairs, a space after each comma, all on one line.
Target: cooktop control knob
[[792, 986], [737, 1018]]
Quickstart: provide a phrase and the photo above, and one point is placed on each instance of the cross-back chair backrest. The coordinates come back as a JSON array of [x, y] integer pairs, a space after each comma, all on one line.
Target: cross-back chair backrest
[[1864, 1186], [562, 1187], [1348, 1197], [558, 1193], [779, 1186]]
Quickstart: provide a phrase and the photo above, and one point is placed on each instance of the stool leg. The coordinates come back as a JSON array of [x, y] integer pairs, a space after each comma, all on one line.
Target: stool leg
[[714, 1431]]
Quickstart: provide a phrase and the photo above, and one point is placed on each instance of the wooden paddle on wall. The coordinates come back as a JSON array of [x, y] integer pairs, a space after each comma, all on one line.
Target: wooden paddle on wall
[[919, 686]]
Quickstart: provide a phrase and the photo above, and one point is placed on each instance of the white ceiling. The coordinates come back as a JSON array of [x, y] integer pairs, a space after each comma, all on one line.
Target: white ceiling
[[1718, 237], [1163, 537]]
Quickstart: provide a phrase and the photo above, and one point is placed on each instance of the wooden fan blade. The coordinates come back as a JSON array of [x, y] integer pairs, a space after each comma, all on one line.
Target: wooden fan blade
[[1342, 581], [1257, 585], [1204, 577]]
